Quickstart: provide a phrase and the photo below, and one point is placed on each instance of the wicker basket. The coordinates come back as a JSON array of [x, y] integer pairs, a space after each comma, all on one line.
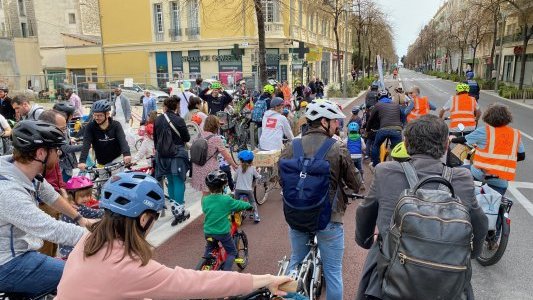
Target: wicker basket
[[266, 158]]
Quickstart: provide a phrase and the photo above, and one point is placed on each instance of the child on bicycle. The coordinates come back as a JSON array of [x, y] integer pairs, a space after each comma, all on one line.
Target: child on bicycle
[[216, 207], [225, 167], [80, 192], [147, 148], [356, 147], [244, 177]]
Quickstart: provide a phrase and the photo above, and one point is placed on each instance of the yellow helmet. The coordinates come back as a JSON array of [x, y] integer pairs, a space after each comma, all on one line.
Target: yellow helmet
[[303, 104], [399, 152], [462, 87]]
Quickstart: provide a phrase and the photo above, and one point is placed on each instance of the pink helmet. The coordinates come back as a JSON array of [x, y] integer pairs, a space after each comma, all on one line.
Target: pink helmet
[[78, 182]]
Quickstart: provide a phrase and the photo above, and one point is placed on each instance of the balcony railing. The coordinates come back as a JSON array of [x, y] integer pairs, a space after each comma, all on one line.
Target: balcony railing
[[513, 38], [296, 32], [175, 34], [274, 29], [192, 32], [159, 36]]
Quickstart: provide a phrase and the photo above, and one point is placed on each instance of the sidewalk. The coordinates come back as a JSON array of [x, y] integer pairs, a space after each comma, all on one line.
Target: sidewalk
[[520, 101]]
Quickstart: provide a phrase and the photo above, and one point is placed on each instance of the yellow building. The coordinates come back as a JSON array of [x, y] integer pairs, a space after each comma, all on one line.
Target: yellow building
[[162, 39]]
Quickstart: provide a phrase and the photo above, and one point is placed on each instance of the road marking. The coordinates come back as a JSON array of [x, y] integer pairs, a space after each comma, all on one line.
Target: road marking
[[526, 135], [513, 188]]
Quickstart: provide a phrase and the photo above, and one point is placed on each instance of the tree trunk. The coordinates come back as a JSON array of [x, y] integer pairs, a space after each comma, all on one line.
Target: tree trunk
[[474, 60], [461, 61], [370, 65], [337, 44], [523, 56], [261, 35]]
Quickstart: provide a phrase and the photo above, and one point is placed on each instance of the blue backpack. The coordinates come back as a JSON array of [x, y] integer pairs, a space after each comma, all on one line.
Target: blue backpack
[[305, 182], [260, 107]]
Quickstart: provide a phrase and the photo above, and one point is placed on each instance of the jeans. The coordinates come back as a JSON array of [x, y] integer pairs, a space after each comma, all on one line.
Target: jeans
[[227, 170], [251, 200], [395, 137], [358, 163], [331, 245], [31, 273], [229, 245], [369, 143], [176, 188]]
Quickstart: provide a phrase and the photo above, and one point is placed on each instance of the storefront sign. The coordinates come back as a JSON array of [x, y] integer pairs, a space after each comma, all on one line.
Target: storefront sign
[[201, 58], [315, 54]]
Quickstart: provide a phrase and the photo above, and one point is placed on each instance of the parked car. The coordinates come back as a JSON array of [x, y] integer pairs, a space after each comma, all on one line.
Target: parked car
[[176, 85], [90, 92], [136, 92]]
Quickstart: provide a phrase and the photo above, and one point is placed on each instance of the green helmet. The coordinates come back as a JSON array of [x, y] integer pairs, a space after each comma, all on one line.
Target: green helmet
[[216, 85], [399, 152], [268, 89], [462, 87]]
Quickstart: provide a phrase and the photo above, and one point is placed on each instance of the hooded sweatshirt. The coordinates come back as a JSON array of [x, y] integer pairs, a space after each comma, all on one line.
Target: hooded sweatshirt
[[108, 144], [275, 125], [22, 223], [34, 113]]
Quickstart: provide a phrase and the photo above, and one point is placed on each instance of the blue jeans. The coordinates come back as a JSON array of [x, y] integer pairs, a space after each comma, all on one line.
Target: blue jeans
[[176, 188], [31, 273], [331, 245], [358, 163], [229, 245], [395, 137]]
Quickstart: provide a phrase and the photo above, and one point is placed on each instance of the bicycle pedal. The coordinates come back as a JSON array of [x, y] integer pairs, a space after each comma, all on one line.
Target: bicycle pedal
[[239, 260]]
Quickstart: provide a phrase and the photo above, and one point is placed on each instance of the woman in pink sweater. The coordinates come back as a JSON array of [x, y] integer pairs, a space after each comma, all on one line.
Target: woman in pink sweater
[[114, 261]]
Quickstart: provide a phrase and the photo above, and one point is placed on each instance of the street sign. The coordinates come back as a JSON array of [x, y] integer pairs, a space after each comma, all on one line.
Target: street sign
[[236, 51], [244, 44]]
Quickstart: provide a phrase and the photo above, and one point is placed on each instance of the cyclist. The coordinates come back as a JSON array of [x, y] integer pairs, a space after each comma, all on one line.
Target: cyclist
[[499, 147], [217, 99], [472, 84], [261, 105], [419, 106], [355, 117], [68, 160], [106, 137], [323, 118], [299, 118], [24, 109], [372, 96], [298, 91], [463, 109], [275, 126], [356, 147], [23, 226], [390, 117], [426, 139], [75, 101], [378, 83], [245, 174], [116, 251], [6, 109]]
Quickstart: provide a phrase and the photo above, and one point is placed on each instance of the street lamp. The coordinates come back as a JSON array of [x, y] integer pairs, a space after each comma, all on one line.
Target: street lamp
[[345, 83], [502, 16]]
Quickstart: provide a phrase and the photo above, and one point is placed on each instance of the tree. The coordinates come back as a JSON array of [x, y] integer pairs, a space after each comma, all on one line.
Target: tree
[[259, 14], [480, 29]]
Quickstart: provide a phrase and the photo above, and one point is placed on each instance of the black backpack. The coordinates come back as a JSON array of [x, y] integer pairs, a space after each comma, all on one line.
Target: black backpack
[[166, 148], [371, 99], [199, 150], [425, 254]]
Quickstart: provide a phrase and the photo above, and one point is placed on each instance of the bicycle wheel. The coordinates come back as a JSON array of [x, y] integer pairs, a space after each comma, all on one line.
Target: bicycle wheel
[[241, 243], [489, 257]]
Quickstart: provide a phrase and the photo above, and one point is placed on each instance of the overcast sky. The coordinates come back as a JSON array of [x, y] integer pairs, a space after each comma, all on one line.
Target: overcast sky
[[407, 18]]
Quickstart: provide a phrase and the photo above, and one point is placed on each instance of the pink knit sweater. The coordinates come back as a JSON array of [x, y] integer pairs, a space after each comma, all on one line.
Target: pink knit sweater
[[98, 278]]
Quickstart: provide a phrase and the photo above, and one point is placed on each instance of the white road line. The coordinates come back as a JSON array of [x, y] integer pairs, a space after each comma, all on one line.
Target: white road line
[[526, 135], [513, 188]]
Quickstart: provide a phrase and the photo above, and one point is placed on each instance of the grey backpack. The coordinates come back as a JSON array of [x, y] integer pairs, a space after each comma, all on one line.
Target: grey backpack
[[199, 149], [426, 252]]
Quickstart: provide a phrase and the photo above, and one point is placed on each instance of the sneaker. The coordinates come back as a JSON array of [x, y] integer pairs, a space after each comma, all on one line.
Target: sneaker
[[257, 219], [180, 214]]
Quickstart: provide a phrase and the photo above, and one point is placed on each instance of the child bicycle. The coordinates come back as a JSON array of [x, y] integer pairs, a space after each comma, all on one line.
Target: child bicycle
[[99, 176], [265, 294]]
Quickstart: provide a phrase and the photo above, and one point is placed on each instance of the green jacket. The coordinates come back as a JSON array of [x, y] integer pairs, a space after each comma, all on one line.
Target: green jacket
[[217, 208]]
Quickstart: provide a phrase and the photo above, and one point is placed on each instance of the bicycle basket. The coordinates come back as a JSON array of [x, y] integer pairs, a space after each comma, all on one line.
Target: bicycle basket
[[226, 121], [489, 200]]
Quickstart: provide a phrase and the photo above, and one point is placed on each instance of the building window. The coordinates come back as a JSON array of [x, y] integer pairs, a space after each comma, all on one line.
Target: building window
[[22, 10], [270, 9], [192, 8], [300, 13], [72, 18], [158, 21], [24, 29], [175, 30]]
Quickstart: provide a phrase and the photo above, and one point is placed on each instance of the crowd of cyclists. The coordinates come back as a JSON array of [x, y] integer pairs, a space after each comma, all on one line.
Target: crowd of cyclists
[[322, 157]]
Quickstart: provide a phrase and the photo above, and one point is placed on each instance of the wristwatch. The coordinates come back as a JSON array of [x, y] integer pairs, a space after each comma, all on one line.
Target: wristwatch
[[78, 218]]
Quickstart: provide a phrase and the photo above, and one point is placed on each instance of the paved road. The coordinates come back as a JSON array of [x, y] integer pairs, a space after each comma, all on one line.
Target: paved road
[[511, 277]]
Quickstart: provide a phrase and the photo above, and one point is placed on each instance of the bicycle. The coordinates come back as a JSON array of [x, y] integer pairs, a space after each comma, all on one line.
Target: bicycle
[[100, 175], [309, 273], [218, 255], [264, 293], [236, 129], [19, 296]]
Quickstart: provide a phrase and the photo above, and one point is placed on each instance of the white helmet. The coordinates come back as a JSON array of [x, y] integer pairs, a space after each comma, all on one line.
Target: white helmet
[[323, 109]]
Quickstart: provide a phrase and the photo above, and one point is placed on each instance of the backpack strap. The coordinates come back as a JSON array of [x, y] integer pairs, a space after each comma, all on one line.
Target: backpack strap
[[410, 173], [447, 173], [297, 148], [324, 149], [216, 151]]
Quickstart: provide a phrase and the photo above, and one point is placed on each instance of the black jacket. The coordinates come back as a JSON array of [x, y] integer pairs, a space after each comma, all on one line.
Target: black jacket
[[388, 114], [161, 124], [216, 104], [6, 109], [108, 144]]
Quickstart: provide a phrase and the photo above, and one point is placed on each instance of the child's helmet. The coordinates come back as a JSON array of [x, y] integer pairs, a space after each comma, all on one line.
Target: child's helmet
[[355, 110], [196, 119], [353, 126], [246, 155], [285, 111], [216, 179], [132, 193], [78, 183]]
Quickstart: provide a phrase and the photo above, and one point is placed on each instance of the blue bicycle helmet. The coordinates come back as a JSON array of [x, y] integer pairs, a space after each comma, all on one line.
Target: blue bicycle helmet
[[132, 193], [246, 155], [353, 126], [101, 106], [469, 75], [285, 111]]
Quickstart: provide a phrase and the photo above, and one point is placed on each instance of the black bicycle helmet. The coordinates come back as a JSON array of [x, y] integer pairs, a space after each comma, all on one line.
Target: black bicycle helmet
[[65, 107], [4, 88], [29, 135], [383, 94], [101, 106], [216, 179]]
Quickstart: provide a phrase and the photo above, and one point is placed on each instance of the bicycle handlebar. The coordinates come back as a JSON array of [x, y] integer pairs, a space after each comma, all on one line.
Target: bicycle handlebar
[[355, 196], [289, 287], [108, 167]]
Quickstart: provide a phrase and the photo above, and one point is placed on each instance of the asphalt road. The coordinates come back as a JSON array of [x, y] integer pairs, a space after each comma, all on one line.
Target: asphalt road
[[268, 240]]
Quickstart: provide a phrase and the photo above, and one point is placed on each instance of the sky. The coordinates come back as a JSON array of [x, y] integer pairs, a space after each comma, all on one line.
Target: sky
[[407, 18]]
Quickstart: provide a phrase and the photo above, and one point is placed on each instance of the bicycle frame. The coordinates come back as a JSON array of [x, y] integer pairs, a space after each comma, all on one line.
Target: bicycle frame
[[218, 254]]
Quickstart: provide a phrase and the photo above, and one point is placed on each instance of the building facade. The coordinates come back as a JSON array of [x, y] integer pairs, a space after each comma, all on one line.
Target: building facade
[[162, 40]]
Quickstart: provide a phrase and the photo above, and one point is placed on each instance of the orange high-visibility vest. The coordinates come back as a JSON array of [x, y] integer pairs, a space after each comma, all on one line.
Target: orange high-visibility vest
[[500, 153], [463, 111], [421, 107]]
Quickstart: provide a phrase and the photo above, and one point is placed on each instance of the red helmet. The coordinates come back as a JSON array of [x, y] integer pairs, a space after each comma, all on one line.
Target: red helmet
[[78, 182], [150, 129]]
